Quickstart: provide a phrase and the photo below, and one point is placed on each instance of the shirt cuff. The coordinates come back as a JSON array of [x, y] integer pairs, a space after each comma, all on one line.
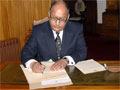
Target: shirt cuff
[[70, 59], [29, 62]]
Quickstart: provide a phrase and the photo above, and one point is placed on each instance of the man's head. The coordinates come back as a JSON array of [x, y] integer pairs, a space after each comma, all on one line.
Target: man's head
[[58, 15]]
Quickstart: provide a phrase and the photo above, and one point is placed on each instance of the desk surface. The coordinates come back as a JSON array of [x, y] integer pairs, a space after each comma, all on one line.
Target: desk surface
[[12, 77]]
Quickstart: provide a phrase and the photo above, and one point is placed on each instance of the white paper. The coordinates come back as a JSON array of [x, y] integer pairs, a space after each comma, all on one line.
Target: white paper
[[89, 66], [48, 78], [54, 81]]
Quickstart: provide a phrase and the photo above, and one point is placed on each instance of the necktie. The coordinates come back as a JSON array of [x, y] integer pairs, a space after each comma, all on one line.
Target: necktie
[[58, 45]]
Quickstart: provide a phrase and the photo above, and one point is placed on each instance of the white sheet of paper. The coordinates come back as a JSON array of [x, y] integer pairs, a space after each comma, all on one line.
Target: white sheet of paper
[[89, 66], [54, 81], [48, 78]]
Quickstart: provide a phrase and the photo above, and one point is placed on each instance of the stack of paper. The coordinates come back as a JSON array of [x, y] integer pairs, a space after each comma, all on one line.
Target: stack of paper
[[89, 66], [48, 78]]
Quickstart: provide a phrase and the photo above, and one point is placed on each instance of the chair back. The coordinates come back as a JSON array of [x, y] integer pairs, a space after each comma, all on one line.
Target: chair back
[[36, 22], [9, 49]]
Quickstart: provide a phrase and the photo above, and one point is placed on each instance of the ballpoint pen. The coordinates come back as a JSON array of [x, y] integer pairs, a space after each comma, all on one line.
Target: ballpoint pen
[[38, 58], [105, 65]]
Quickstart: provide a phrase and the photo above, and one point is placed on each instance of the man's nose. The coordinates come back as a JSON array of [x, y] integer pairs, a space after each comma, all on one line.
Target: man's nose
[[57, 21]]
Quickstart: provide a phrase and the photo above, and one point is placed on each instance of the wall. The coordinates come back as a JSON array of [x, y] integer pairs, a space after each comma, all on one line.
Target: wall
[[17, 16]]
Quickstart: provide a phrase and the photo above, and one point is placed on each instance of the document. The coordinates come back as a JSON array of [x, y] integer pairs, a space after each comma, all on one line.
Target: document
[[47, 78], [89, 66]]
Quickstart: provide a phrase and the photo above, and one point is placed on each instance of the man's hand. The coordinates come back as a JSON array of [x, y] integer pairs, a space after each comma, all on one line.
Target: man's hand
[[37, 67], [59, 65]]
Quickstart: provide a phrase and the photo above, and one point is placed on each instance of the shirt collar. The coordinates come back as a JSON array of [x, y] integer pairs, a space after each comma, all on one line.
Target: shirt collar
[[60, 34]]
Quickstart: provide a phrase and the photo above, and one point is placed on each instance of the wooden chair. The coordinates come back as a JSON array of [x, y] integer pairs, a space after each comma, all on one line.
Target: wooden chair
[[9, 49], [36, 22], [40, 21]]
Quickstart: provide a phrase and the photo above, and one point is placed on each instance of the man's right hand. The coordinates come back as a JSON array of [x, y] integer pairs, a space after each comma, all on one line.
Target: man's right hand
[[37, 67]]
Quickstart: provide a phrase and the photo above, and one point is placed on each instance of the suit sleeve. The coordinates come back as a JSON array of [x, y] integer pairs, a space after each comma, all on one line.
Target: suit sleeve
[[29, 51]]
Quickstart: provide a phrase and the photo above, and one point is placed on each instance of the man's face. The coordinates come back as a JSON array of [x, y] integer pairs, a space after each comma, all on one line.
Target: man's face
[[58, 19]]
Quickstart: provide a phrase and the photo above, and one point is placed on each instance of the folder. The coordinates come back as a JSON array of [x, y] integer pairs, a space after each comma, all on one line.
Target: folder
[[47, 78]]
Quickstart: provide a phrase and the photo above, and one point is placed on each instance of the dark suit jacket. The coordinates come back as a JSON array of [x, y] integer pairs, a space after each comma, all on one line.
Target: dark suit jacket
[[42, 42]]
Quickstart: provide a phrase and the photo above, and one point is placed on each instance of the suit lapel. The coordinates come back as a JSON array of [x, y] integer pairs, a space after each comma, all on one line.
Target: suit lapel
[[67, 37], [51, 42]]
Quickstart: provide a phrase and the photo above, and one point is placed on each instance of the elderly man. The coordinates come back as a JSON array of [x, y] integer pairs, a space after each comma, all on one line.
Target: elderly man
[[57, 39]]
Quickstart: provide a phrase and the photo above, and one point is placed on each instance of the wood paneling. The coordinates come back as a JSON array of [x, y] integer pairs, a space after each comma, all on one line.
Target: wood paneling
[[110, 26], [112, 4], [17, 16]]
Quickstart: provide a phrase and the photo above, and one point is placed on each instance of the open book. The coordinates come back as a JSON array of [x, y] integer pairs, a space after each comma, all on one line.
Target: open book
[[47, 78]]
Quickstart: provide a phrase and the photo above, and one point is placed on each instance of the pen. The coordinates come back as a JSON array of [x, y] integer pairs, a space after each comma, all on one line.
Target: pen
[[105, 66], [42, 71], [38, 58]]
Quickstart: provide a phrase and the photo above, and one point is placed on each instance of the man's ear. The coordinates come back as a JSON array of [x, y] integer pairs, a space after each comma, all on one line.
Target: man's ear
[[49, 14], [68, 16]]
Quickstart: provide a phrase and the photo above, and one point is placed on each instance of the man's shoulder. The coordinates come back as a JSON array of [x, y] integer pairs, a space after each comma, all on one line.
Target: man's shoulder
[[75, 26], [40, 27], [73, 23]]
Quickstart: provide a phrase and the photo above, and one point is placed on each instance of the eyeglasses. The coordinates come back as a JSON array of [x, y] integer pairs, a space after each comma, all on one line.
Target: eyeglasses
[[61, 20]]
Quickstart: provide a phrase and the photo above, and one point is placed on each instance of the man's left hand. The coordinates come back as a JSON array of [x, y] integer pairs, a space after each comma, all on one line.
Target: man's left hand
[[59, 65]]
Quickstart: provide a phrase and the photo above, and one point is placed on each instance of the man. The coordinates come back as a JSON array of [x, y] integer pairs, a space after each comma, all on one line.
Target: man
[[58, 39]]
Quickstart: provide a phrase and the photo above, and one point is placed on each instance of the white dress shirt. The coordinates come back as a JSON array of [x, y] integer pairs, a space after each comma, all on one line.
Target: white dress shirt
[[71, 61]]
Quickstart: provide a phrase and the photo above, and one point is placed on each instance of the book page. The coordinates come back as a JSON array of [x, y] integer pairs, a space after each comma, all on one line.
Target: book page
[[89, 66], [47, 78]]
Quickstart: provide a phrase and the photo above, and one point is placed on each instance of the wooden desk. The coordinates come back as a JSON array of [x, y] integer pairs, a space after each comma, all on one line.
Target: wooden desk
[[77, 85]]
